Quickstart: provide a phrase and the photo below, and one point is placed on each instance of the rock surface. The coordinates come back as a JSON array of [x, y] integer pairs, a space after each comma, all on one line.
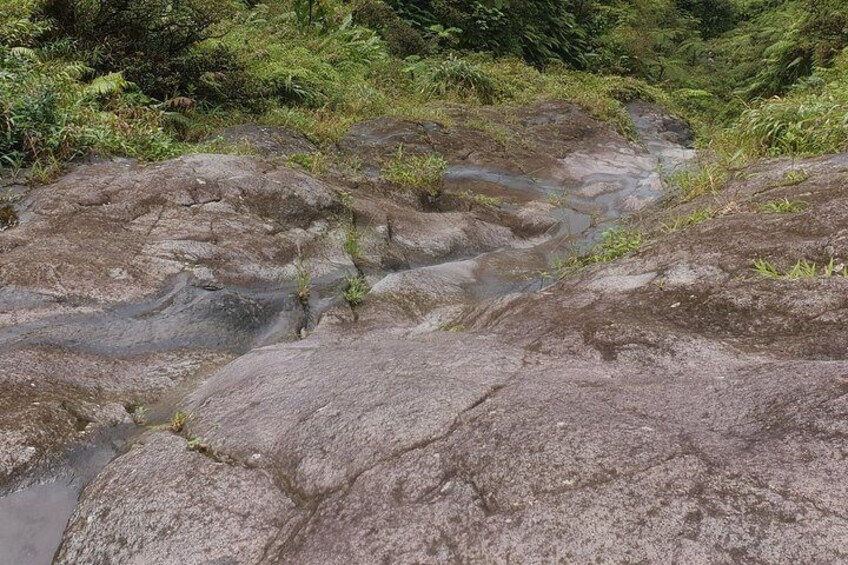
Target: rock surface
[[671, 406]]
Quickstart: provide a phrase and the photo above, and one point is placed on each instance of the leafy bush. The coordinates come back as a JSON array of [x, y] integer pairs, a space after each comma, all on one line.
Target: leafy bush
[[148, 40], [537, 30], [49, 114], [401, 38]]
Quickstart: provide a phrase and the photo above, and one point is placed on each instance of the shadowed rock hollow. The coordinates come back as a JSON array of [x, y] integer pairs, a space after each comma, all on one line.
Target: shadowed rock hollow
[[668, 407]]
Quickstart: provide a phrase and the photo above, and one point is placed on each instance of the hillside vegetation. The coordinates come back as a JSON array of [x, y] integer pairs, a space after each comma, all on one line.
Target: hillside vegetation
[[153, 78]]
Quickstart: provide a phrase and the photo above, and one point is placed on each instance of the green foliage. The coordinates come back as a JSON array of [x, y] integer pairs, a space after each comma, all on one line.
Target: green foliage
[[356, 288], [615, 243], [802, 269], [682, 222], [714, 17], [452, 75], [811, 120], [650, 39], [539, 31], [131, 77], [416, 171], [782, 206], [48, 115], [402, 40], [147, 40]]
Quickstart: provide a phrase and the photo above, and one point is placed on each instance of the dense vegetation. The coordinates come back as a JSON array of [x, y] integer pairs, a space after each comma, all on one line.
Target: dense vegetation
[[150, 78]]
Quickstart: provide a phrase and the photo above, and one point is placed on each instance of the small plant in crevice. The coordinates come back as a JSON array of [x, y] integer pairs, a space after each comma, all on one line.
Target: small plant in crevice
[[138, 413], [178, 421], [765, 269], [782, 206], [683, 222], [615, 243], [796, 176], [198, 444], [8, 217], [501, 134], [832, 269], [316, 163], [303, 279], [346, 198], [356, 287], [417, 171], [557, 200], [802, 269], [481, 199], [351, 243], [709, 178]]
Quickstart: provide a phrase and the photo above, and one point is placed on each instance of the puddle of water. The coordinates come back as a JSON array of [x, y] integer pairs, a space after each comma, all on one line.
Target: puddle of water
[[32, 522], [33, 518]]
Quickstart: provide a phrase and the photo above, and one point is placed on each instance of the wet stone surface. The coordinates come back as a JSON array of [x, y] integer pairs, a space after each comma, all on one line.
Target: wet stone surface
[[667, 407]]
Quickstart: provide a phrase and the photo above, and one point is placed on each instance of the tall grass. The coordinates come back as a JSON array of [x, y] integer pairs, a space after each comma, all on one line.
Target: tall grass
[[811, 120]]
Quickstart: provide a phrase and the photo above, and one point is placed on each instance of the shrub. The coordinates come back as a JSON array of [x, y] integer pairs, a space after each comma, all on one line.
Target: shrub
[[811, 119], [49, 116], [814, 124], [401, 38], [148, 39], [537, 30]]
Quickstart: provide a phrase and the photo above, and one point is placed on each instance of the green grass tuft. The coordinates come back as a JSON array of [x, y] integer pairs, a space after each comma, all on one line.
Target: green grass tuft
[[416, 171], [782, 206], [355, 290], [802, 269]]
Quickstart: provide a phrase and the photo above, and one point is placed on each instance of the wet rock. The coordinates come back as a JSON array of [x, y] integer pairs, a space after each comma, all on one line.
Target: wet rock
[[244, 501], [52, 396], [127, 279], [236, 215], [666, 406]]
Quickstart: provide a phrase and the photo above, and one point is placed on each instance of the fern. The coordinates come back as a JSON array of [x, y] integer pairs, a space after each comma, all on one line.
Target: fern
[[25, 53], [107, 85]]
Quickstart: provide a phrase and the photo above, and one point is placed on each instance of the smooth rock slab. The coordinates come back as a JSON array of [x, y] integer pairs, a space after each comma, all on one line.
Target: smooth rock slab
[[197, 511]]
